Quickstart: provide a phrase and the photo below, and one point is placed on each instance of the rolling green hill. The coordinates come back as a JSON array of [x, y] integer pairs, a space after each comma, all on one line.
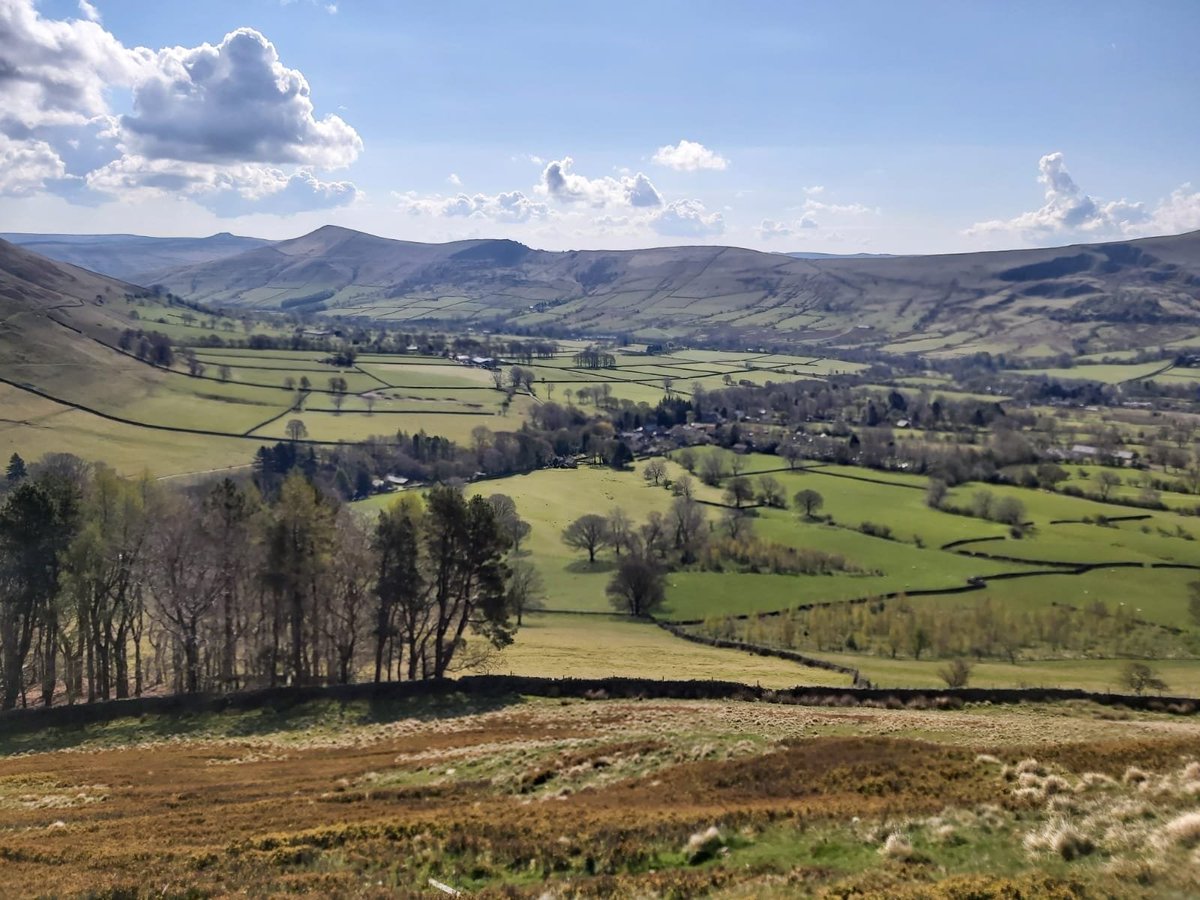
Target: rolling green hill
[[1116, 295], [1110, 297], [65, 385]]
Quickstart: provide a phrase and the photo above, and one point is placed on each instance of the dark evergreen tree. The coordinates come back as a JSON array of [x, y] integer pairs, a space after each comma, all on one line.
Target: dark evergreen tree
[[16, 472]]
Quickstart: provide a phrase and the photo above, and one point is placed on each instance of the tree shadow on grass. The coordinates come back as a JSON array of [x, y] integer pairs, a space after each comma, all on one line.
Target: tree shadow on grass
[[276, 715], [583, 567]]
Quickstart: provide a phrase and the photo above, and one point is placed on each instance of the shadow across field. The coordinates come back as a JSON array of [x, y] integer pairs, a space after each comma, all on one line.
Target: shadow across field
[[583, 567], [328, 708], [241, 715]]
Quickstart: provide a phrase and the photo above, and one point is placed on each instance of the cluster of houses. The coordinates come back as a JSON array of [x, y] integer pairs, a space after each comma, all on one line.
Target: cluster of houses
[[389, 483], [478, 362]]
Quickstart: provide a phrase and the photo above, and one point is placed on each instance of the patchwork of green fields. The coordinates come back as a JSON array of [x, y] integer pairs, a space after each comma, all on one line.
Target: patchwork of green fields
[[549, 500], [255, 393], [172, 422]]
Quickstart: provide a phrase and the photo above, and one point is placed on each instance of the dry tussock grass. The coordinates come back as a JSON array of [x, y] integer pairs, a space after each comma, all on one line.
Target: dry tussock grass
[[600, 796], [897, 846], [1182, 831]]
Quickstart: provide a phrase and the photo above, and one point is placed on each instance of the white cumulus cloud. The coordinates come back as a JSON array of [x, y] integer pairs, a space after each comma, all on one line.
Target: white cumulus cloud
[[688, 218], [207, 122], [506, 206], [228, 190], [689, 156], [1067, 209], [566, 186], [57, 72], [26, 166], [1179, 212], [769, 229], [235, 102]]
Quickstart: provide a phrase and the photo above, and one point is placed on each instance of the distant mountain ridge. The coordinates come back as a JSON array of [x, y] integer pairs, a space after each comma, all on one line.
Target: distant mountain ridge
[[1041, 301], [132, 257], [813, 254]]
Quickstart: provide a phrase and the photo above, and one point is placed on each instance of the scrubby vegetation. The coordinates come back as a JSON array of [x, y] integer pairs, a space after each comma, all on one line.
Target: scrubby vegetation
[[502, 797], [978, 629]]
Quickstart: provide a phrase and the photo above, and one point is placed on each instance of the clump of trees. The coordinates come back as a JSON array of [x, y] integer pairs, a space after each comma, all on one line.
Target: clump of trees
[[644, 552], [1140, 677], [956, 673], [983, 505], [740, 550], [153, 347], [969, 630], [110, 585], [593, 358]]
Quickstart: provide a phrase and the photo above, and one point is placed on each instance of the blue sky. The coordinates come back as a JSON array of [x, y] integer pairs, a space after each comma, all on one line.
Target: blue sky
[[835, 127]]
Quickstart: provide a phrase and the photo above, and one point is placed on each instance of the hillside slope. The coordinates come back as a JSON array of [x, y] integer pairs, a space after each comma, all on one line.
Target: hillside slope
[[1114, 295], [131, 257], [59, 332]]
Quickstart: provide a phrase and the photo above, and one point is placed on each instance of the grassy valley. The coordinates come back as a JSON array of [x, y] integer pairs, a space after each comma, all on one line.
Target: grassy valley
[[923, 539]]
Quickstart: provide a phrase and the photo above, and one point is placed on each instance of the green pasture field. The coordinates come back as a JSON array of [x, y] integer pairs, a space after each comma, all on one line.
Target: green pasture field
[[882, 502], [1153, 595], [33, 426], [1185, 377], [357, 381], [308, 365], [714, 356], [549, 500], [699, 595], [264, 357], [1127, 490], [1120, 356], [919, 344], [403, 374], [1182, 676], [329, 426], [435, 396], [150, 311], [1113, 373], [415, 401], [408, 359], [937, 390], [641, 393], [1094, 544], [923, 381], [131, 390], [598, 646]]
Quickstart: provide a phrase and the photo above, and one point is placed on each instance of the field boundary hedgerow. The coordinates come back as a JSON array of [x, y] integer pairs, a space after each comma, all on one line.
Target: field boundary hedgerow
[[516, 686]]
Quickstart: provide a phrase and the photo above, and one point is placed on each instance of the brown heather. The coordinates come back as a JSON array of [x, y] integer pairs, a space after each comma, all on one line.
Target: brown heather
[[589, 799]]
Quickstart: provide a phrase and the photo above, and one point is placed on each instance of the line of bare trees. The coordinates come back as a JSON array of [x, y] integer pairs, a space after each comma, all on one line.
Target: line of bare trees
[[110, 586]]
